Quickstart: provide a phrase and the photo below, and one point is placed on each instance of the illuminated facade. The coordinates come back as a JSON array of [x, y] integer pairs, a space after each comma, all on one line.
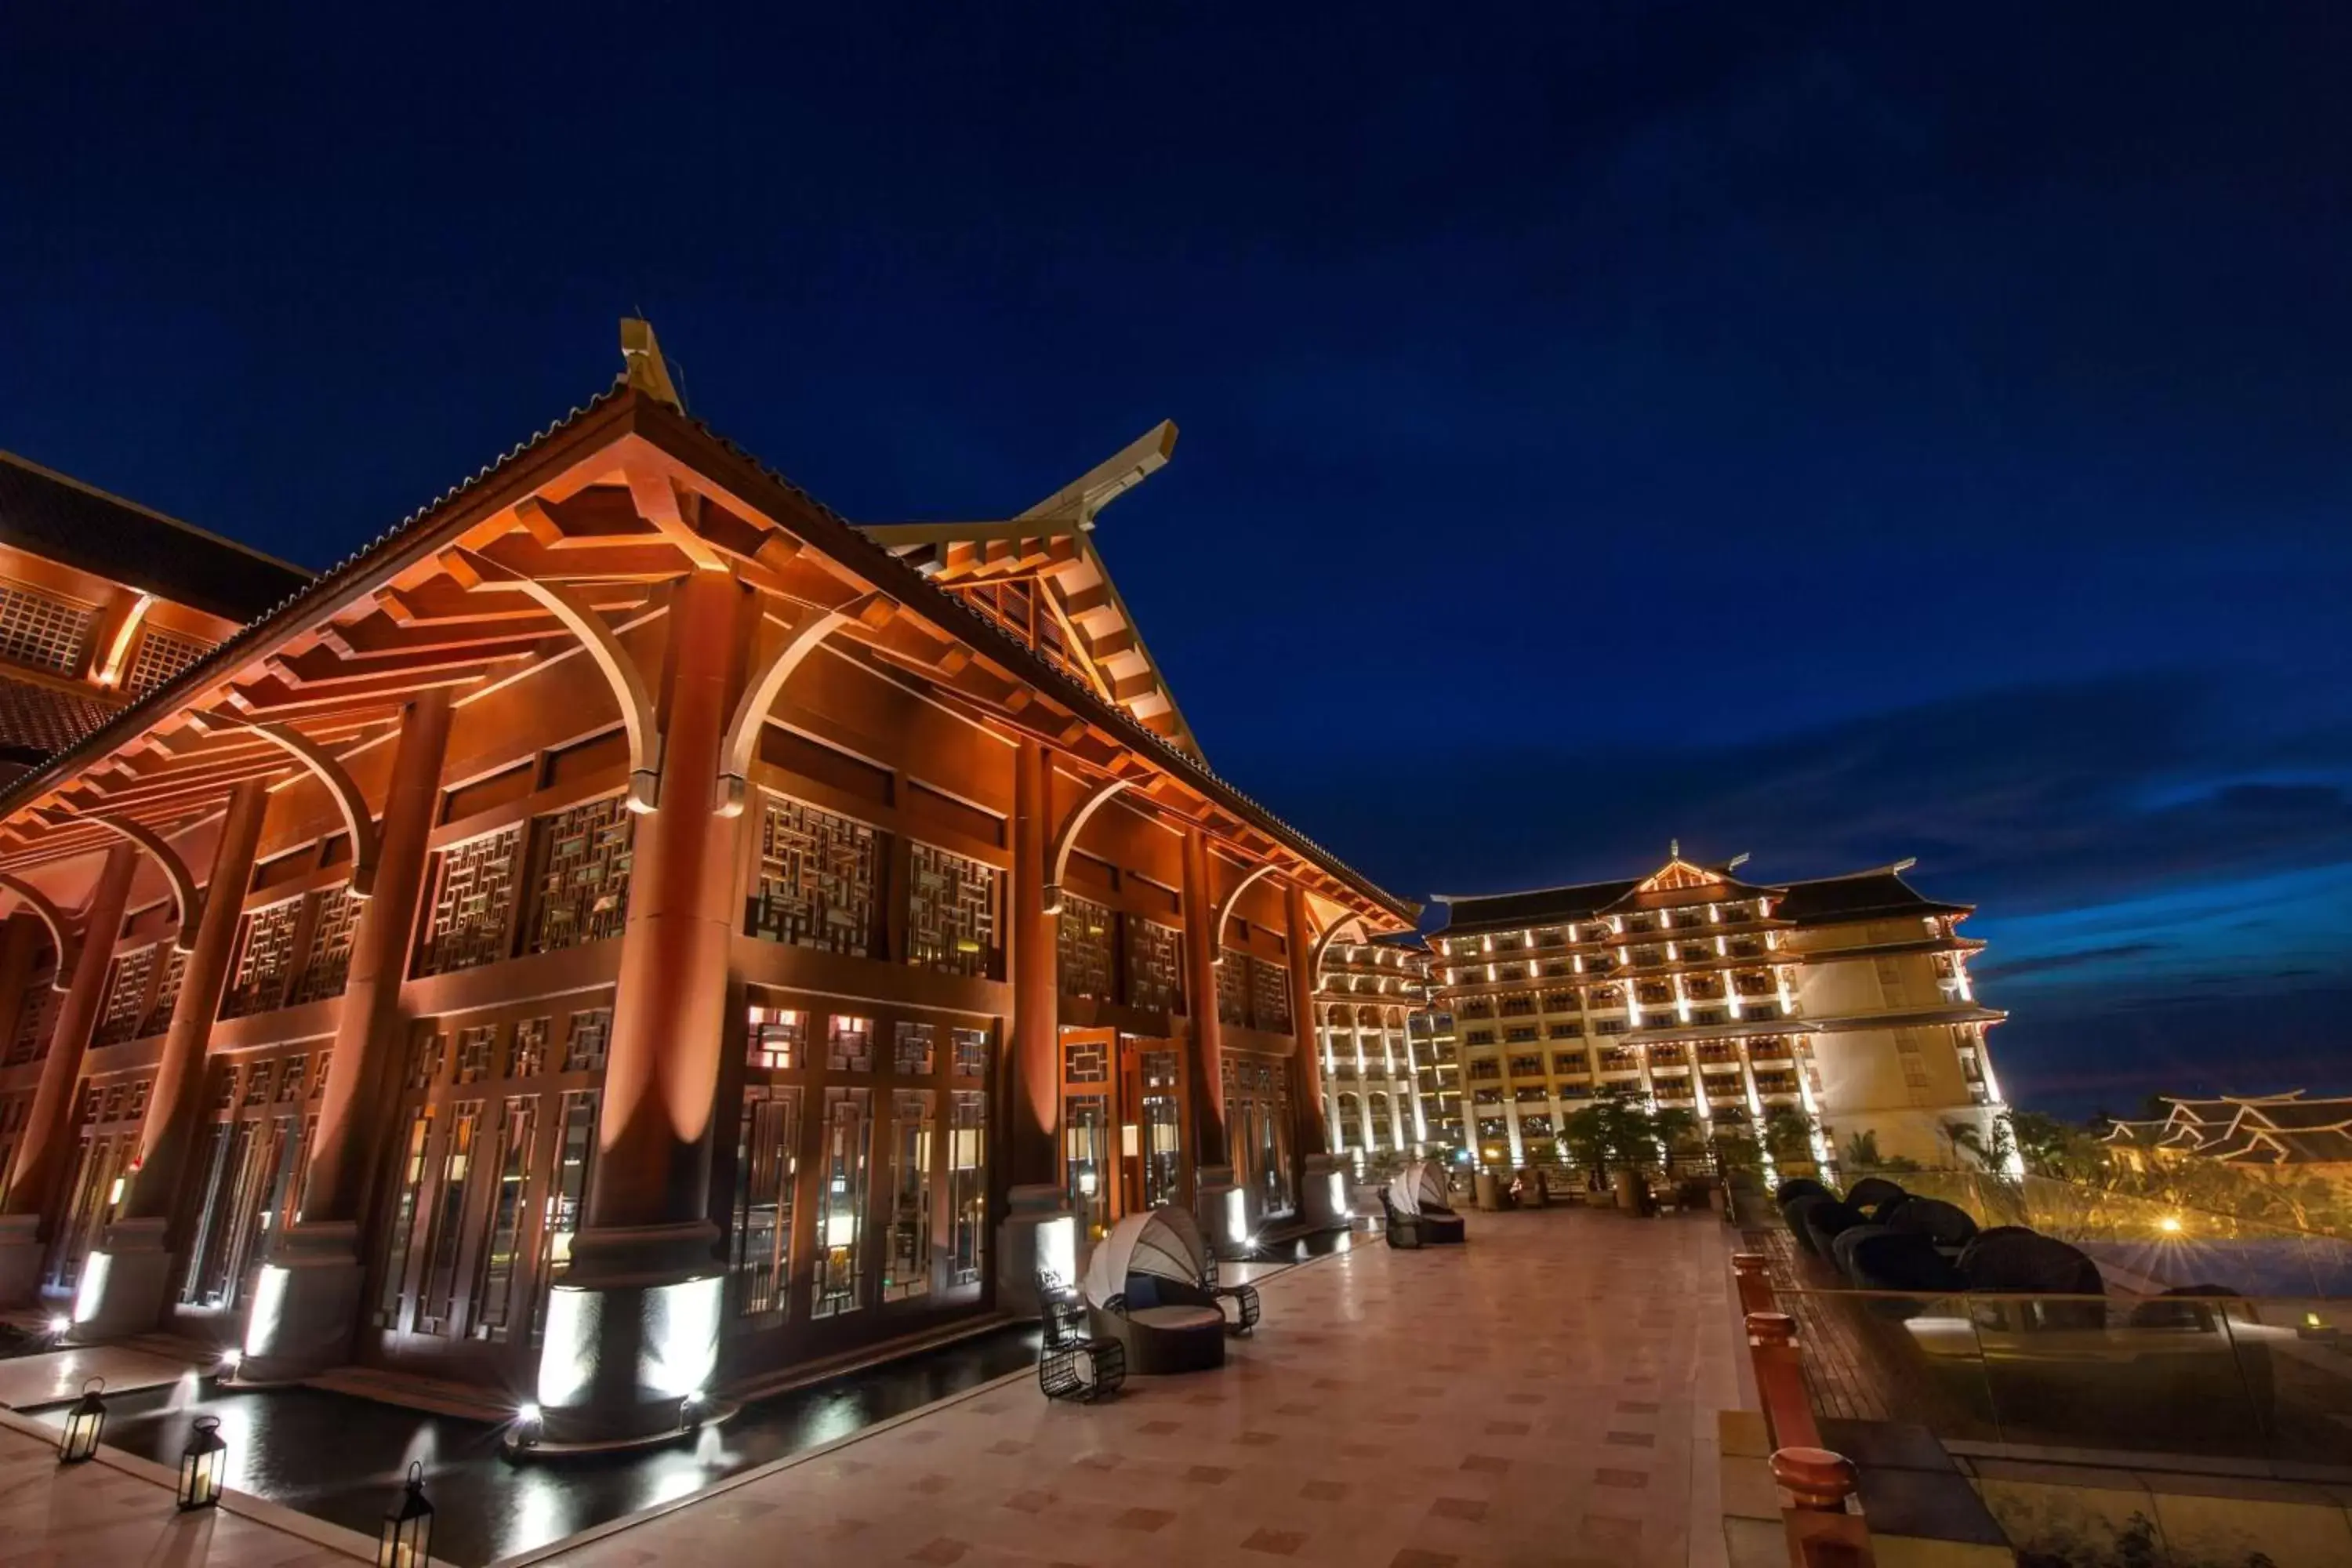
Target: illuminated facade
[[626, 933], [1846, 998], [1390, 1075]]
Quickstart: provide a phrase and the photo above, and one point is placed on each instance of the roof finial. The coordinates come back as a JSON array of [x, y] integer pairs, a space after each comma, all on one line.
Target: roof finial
[[1674, 849], [646, 370]]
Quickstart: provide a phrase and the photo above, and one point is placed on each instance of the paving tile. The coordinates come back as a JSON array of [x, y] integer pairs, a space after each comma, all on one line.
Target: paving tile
[[1469, 1507], [1275, 1543], [939, 1549], [1143, 1519], [1324, 1492], [1627, 1479]]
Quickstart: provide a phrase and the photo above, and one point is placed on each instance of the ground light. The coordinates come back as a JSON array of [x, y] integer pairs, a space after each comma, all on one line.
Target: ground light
[[201, 1463], [60, 1324], [84, 1423], [2169, 1225], [407, 1538]]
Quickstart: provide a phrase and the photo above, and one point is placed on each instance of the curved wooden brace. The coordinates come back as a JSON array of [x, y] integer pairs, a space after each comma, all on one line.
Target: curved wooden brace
[[1057, 860], [52, 917], [183, 886], [479, 574], [348, 799], [760, 694], [1323, 943], [1225, 909]]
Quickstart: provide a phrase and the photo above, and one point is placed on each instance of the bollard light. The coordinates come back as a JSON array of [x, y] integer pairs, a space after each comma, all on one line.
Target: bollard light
[[201, 1463], [84, 1423], [408, 1539]]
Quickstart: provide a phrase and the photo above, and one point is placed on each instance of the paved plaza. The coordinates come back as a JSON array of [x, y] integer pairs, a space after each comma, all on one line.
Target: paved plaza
[[1546, 1395]]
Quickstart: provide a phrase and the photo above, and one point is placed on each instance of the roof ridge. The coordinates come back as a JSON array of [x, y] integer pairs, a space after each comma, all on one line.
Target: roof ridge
[[145, 510], [1452, 898], [1891, 869]]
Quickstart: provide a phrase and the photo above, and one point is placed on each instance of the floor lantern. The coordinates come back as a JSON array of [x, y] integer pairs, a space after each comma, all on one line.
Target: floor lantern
[[407, 1541], [84, 1423], [201, 1463]]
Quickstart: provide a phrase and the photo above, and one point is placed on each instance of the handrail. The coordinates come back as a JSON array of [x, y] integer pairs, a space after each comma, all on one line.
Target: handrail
[[1820, 1509]]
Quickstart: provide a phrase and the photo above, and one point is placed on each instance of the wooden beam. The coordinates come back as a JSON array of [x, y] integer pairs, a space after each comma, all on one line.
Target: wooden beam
[[657, 503], [54, 918], [438, 602], [1057, 863], [358, 821], [175, 870]]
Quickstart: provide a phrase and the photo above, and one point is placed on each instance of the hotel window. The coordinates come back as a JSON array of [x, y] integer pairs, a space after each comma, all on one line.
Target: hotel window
[[1517, 1005], [473, 894], [850, 1046], [907, 1261], [1479, 1037], [818, 875], [777, 1039], [575, 1158], [1485, 1067], [1567, 1029], [767, 1168], [841, 1201], [1083, 941], [494, 1285], [1570, 1064], [1155, 965], [951, 919], [967, 1184], [580, 875], [1520, 1033], [1529, 1066]]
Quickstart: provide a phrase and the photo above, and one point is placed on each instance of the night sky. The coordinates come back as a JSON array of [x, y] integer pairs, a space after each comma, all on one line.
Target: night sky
[[1837, 433]]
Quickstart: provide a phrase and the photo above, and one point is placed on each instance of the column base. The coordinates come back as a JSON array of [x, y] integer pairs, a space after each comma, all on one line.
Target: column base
[[1323, 1192], [1039, 1233], [631, 1335], [306, 1304], [125, 1282], [1224, 1211], [20, 1259]]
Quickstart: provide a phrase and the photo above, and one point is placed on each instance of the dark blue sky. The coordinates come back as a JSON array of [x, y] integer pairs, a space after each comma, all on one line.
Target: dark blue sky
[[1839, 433]]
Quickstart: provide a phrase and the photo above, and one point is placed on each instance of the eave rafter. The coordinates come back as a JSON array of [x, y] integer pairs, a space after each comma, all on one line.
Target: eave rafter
[[49, 915], [1225, 907], [358, 821], [184, 897]]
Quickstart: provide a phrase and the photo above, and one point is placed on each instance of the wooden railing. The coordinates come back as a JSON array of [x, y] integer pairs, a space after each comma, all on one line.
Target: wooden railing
[[1819, 1505]]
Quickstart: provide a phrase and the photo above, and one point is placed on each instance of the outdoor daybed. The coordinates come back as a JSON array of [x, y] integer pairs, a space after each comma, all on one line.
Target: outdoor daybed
[[1416, 1211], [1145, 1287]]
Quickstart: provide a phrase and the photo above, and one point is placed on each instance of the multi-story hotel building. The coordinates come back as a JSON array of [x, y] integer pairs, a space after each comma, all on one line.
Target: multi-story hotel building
[[623, 934], [1389, 1077], [1846, 997]]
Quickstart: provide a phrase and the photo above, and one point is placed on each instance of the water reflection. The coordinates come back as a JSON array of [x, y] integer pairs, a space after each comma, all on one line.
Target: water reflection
[[344, 1459]]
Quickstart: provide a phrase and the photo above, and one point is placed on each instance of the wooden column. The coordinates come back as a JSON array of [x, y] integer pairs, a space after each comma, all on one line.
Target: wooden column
[[1201, 992], [1314, 1129], [48, 1129], [1036, 1068], [314, 1270], [369, 1032], [129, 1277]]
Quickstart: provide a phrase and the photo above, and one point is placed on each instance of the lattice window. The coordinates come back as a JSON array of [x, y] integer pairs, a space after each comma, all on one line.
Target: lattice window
[[580, 893], [475, 1046], [167, 994], [778, 1037], [428, 1055], [474, 892], [324, 1060], [527, 1053], [332, 931], [950, 912], [257, 1082], [44, 632], [265, 958], [290, 1082], [1233, 988], [1270, 995], [850, 1046], [913, 1050], [162, 655], [970, 1053], [818, 878], [1086, 1061], [36, 1015], [591, 1037], [1085, 942], [1155, 958], [126, 997]]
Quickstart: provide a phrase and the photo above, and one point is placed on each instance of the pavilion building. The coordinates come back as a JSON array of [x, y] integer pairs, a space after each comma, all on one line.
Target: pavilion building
[[1390, 1079], [1846, 998], [623, 935]]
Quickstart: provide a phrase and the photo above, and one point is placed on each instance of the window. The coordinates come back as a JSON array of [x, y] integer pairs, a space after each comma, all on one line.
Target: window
[[906, 1253], [494, 1284], [1526, 1066], [1520, 1033], [817, 880], [767, 1166], [967, 1184], [841, 1201], [951, 919], [777, 1039], [1566, 1029]]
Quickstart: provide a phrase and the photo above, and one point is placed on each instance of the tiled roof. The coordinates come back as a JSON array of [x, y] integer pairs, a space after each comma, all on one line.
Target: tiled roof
[[66, 521], [1828, 900], [1543, 906], [38, 721], [1866, 895], [2299, 1116]]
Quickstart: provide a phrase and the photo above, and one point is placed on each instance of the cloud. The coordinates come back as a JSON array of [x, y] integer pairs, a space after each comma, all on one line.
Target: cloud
[[2056, 961]]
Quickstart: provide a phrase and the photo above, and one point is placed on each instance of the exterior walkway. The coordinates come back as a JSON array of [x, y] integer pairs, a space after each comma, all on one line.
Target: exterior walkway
[[1546, 1395]]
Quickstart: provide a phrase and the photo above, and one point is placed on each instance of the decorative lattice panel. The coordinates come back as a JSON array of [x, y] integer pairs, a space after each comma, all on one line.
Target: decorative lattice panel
[[162, 655], [45, 633], [970, 1053], [329, 964], [526, 1052], [36, 1015], [475, 1046], [1270, 995], [265, 958], [950, 912], [589, 1037], [914, 1049], [126, 997], [1155, 959], [1086, 1061], [816, 880], [167, 994], [581, 892], [290, 1080], [777, 1039], [849, 1047], [1084, 941], [1233, 988], [428, 1054], [473, 894]]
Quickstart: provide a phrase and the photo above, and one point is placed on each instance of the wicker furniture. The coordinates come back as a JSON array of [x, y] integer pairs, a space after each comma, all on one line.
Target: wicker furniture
[[1073, 1363]]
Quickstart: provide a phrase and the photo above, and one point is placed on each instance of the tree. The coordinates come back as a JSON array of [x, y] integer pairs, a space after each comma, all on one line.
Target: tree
[[1788, 1133], [1862, 1151], [1613, 1129]]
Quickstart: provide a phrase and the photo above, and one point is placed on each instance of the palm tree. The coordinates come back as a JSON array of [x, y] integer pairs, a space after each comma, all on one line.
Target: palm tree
[[1862, 1151], [1788, 1133]]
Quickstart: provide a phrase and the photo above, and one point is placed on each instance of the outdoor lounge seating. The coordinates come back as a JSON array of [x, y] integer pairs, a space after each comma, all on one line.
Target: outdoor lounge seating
[[1873, 1194], [2012, 1260], [1825, 1219], [1796, 1187], [1948, 1226], [1881, 1258], [1073, 1363], [1145, 1287], [1795, 1210], [1418, 1195]]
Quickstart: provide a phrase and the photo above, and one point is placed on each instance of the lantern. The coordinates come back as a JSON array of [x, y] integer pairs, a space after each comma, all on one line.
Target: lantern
[[201, 1463], [407, 1540], [84, 1423]]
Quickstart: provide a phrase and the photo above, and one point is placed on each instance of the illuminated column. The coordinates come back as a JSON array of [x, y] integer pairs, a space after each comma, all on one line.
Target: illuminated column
[[33, 1178], [306, 1305], [129, 1275], [632, 1328], [1223, 1207], [1322, 1179], [1039, 1231]]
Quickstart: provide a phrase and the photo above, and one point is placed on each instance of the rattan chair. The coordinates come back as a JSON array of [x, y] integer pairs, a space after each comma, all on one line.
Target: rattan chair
[[1073, 1363]]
